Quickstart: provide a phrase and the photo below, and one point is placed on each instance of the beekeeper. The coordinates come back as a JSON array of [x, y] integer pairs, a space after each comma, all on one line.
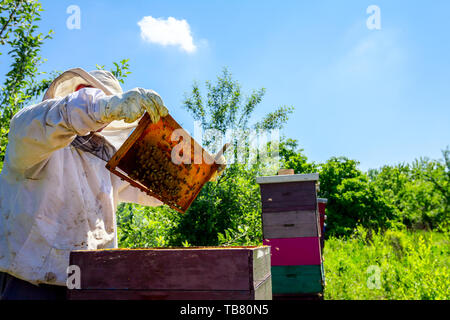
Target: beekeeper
[[55, 193]]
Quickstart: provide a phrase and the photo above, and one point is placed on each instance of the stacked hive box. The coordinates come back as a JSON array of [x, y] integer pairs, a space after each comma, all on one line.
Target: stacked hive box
[[291, 227], [196, 273]]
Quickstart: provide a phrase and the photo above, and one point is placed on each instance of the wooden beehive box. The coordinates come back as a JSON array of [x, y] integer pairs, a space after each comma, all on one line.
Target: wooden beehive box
[[289, 206], [288, 192], [203, 273], [146, 161]]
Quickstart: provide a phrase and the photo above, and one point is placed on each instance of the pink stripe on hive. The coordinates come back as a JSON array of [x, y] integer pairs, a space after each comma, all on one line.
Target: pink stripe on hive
[[294, 251]]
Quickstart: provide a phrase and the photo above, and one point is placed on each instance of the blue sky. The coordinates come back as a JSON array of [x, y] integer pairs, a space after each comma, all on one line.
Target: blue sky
[[377, 96]]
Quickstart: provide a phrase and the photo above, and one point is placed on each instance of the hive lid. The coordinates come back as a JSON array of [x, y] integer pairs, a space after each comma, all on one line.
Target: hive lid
[[322, 200], [288, 178]]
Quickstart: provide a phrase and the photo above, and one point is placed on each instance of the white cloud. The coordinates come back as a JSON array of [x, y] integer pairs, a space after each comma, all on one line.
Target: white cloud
[[167, 32]]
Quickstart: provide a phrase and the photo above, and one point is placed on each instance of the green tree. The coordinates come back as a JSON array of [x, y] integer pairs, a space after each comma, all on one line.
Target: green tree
[[292, 157], [228, 211], [225, 109], [352, 199], [19, 35], [357, 202], [437, 174], [418, 192], [333, 172]]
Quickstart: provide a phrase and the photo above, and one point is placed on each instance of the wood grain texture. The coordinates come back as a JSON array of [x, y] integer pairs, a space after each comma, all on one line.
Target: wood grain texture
[[290, 224], [297, 279], [294, 251], [230, 268], [276, 197], [261, 292]]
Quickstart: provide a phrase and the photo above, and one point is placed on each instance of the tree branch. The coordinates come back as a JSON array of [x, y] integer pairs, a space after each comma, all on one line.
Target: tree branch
[[16, 7]]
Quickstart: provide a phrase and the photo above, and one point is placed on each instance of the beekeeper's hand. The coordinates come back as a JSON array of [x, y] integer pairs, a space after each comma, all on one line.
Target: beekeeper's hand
[[222, 165], [131, 105]]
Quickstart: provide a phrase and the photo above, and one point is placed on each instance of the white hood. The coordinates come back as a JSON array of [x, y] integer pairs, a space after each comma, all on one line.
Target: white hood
[[117, 131]]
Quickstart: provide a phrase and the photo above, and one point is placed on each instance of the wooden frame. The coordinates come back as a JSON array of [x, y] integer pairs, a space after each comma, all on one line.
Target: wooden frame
[[121, 163]]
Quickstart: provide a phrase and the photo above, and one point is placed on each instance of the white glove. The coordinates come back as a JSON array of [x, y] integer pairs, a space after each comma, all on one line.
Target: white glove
[[131, 105]]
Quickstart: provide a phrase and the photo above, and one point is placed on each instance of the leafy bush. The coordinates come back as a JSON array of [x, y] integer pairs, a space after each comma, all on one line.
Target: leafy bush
[[352, 199], [394, 265], [419, 193], [226, 212], [357, 202], [143, 227]]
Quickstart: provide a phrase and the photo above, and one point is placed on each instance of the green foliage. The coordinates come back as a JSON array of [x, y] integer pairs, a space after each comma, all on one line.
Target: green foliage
[[138, 227], [415, 195], [19, 35], [394, 265], [224, 108], [419, 193], [352, 199], [357, 202], [293, 158], [333, 172], [225, 212], [120, 70]]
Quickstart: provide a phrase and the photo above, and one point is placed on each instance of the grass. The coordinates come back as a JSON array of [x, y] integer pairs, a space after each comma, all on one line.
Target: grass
[[395, 265]]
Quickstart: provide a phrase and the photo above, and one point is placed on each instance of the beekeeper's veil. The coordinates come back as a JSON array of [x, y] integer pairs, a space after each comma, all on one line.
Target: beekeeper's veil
[[117, 131]]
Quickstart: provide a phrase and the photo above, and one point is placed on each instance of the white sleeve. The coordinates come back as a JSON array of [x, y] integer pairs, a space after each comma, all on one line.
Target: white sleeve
[[37, 131]]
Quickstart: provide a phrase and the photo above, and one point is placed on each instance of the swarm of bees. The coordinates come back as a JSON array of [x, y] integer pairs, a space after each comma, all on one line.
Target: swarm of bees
[[155, 170]]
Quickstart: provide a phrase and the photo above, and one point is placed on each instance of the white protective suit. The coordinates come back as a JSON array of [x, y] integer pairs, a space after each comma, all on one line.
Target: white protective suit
[[54, 197]]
